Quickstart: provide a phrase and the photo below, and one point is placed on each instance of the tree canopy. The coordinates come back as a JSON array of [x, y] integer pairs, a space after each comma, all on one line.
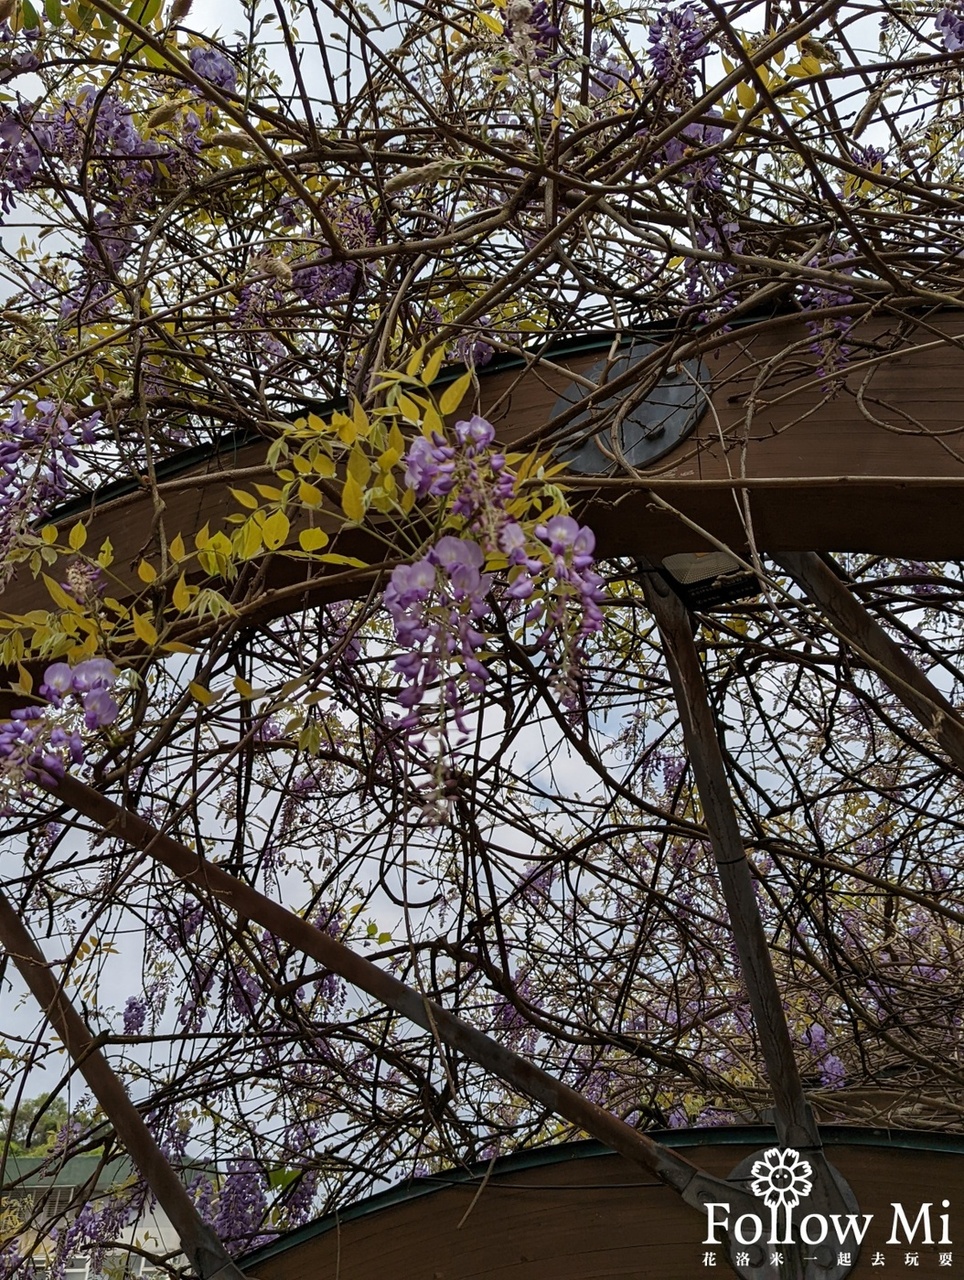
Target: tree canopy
[[392, 684]]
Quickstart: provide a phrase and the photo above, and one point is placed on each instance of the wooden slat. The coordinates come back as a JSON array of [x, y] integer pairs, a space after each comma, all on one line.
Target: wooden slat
[[815, 463], [598, 1219]]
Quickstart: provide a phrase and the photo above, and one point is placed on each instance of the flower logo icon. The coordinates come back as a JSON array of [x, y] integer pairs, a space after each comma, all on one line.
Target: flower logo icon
[[781, 1178]]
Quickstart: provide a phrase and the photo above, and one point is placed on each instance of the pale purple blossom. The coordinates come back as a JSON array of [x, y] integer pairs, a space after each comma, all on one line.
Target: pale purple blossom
[[214, 67]]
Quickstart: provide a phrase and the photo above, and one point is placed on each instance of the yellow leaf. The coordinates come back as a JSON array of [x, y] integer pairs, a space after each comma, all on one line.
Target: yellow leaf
[[309, 494], [177, 646], [353, 500], [347, 431], [432, 422], [246, 690], [60, 596], [301, 463], [181, 596], [144, 629], [48, 534], [746, 95], [430, 372], [410, 408], [245, 499], [268, 491], [78, 536], [106, 556], [414, 362], [25, 683], [249, 539], [492, 23], [202, 695], [360, 418], [146, 572], [453, 395], [275, 530], [396, 440], [202, 537], [177, 548], [316, 423], [324, 466], [333, 557], [312, 539], [359, 468]]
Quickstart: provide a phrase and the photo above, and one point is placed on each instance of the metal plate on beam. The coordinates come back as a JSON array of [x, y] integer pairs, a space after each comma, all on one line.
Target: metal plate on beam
[[626, 426]]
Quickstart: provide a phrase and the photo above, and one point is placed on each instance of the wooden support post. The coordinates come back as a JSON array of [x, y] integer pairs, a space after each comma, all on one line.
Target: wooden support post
[[211, 882], [794, 1122], [856, 627], [203, 1249]]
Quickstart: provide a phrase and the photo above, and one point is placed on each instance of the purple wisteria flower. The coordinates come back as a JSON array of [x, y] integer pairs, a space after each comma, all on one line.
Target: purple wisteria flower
[[950, 27], [438, 602], [135, 1015], [676, 44], [91, 682], [34, 744], [474, 348], [242, 1204], [608, 72], [36, 453], [214, 67], [828, 332], [530, 29]]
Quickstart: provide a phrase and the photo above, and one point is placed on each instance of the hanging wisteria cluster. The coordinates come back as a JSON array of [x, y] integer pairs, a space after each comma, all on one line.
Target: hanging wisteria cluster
[[438, 602]]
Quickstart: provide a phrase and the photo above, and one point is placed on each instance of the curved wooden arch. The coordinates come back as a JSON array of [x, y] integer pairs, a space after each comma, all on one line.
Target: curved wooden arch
[[876, 465]]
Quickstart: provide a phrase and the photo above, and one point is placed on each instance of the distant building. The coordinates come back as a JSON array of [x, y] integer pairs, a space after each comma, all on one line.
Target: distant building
[[43, 1200]]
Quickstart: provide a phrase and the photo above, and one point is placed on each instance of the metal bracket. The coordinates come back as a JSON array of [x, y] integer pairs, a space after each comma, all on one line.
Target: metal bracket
[[650, 429]]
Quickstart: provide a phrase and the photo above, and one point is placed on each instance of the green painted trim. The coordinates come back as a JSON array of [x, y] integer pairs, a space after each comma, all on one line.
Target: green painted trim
[[731, 1136]]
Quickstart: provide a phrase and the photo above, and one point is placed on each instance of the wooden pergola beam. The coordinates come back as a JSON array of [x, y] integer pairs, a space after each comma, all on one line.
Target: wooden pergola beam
[[794, 1121], [857, 627], [211, 882], [204, 1251]]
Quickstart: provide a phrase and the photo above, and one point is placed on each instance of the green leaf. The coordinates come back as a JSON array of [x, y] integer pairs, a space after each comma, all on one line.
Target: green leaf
[[144, 11]]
